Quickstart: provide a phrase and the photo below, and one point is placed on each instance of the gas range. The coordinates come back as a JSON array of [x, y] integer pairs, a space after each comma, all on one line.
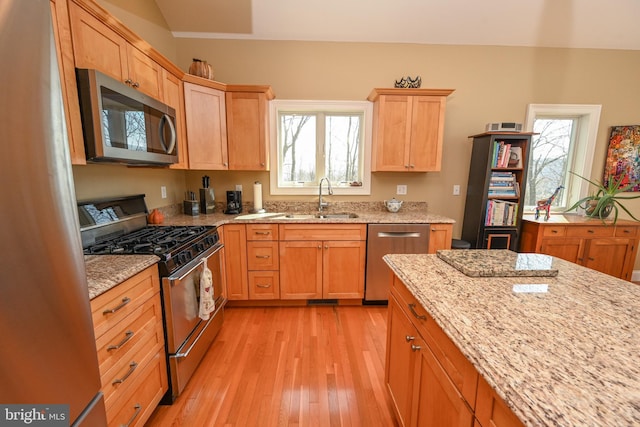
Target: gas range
[[119, 227]]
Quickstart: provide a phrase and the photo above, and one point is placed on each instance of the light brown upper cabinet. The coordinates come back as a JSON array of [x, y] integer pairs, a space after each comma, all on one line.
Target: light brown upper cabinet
[[97, 46], [173, 94], [204, 108], [64, 50], [408, 126], [248, 127]]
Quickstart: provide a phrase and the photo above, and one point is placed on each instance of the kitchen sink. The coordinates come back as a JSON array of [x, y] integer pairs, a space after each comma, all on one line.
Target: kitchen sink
[[339, 215]]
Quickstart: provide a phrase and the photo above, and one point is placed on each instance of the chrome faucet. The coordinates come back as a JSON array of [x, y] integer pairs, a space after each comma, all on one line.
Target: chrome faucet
[[322, 204]]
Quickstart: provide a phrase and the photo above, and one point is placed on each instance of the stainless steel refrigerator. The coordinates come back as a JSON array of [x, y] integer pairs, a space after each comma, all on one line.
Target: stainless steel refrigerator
[[47, 349]]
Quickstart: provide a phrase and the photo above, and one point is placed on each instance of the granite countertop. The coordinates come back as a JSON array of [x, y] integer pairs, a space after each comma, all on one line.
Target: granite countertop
[[367, 213], [106, 271], [495, 263], [569, 356]]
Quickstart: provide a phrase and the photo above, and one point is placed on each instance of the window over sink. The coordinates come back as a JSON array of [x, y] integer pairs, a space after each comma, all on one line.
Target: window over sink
[[316, 139]]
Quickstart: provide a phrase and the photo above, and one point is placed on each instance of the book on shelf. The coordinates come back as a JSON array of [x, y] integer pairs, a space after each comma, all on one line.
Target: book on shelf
[[501, 154], [506, 155], [501, 213], [503, 184]]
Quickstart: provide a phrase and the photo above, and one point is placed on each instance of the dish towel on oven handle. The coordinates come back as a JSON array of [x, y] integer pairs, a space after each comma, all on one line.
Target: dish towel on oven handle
[[207, 304]]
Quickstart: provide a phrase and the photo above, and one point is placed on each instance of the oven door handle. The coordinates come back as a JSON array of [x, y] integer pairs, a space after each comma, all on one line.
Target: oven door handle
[[182, 355], [182, 273]]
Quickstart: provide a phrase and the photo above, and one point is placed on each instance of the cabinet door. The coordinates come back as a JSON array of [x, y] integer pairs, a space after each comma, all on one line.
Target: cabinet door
[[235, 261], [427, 127], [392, 133], [570, 248], [173, 96], [440, 237], [97, 46], [247, 119], [343, 269], [145, 73], [206, 127], [64, 50], [301, 270], [437, 402], [400, 361], [610, 256]]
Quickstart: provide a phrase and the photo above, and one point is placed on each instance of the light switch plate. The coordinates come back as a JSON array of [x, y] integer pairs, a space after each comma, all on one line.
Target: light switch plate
[[163, 192], [401, 190], [456, 190]]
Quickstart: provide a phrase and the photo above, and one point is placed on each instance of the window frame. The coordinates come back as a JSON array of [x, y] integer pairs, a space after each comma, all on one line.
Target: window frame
[[286, 105], [588, 116]]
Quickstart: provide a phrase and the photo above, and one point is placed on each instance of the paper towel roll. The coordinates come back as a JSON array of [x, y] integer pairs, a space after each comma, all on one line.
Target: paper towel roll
[[257, 196]]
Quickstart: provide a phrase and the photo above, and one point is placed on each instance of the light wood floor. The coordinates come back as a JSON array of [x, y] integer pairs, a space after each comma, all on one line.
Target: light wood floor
[[290, 366]]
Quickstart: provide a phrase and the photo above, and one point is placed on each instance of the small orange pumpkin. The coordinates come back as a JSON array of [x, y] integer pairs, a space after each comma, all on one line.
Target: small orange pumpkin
[[155, 217]]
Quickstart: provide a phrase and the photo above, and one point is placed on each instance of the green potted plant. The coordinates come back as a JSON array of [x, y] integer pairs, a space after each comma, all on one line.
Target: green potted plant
[[605, 200]]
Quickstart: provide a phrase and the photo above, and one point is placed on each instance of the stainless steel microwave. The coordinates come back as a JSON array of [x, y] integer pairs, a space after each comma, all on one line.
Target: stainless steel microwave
[[123, 125]]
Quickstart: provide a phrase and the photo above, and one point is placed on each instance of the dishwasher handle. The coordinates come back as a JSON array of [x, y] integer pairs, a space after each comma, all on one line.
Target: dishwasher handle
[[400, 234]]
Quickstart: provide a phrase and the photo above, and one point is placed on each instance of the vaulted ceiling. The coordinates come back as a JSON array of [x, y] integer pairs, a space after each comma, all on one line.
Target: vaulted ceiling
[[611, 24]]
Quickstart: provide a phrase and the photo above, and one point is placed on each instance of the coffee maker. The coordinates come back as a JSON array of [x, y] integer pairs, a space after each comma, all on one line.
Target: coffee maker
[[234, 202]]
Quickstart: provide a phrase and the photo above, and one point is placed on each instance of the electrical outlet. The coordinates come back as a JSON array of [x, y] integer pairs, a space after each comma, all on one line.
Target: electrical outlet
[[163, 192], [238, 187], [401, 190], [456, 190]]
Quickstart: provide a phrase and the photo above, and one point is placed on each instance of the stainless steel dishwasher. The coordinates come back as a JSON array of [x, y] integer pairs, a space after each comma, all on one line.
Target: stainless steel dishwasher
[[385, 239]]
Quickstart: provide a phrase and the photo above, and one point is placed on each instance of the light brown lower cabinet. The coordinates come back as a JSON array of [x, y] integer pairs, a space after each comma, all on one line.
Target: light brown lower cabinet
[[130, 346], [610, 249], [322, 261], [430, 381]]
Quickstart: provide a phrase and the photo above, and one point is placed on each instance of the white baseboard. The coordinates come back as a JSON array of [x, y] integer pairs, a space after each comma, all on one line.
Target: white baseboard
[[635, 276]]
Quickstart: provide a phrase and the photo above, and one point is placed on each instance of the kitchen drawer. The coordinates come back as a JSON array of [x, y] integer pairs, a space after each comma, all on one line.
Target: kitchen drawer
[[323, 232], [554, 231], [262, 255], [142, 328], [461, 372], [124, 374], [114, 305], [262, 231], [137, 403], [626, 231], [491, 410], [590, 231], [264, 285]]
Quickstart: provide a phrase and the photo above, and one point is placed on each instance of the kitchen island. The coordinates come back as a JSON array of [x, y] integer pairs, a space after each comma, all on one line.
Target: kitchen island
[[569, 356]]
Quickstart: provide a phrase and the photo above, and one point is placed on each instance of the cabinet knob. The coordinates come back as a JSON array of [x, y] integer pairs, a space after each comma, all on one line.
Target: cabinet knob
[[412, 166], [590, 231], [415, 347], [409, 338], [326, 246], [319, 246], [591, 259], [136, 85], [554, 231], [128, 81]]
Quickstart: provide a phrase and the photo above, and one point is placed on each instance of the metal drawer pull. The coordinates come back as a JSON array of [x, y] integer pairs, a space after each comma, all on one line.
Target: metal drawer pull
[[264, 233], [554, 231], [138, 408], [263, 286], [417, 316], [125, 301], [415, 347], [128, 336], [263, 256], [132, 367], [409, 338], [590, 231]]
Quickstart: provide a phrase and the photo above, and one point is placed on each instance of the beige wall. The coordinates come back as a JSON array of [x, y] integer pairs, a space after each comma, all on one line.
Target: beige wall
[[491, 84]]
